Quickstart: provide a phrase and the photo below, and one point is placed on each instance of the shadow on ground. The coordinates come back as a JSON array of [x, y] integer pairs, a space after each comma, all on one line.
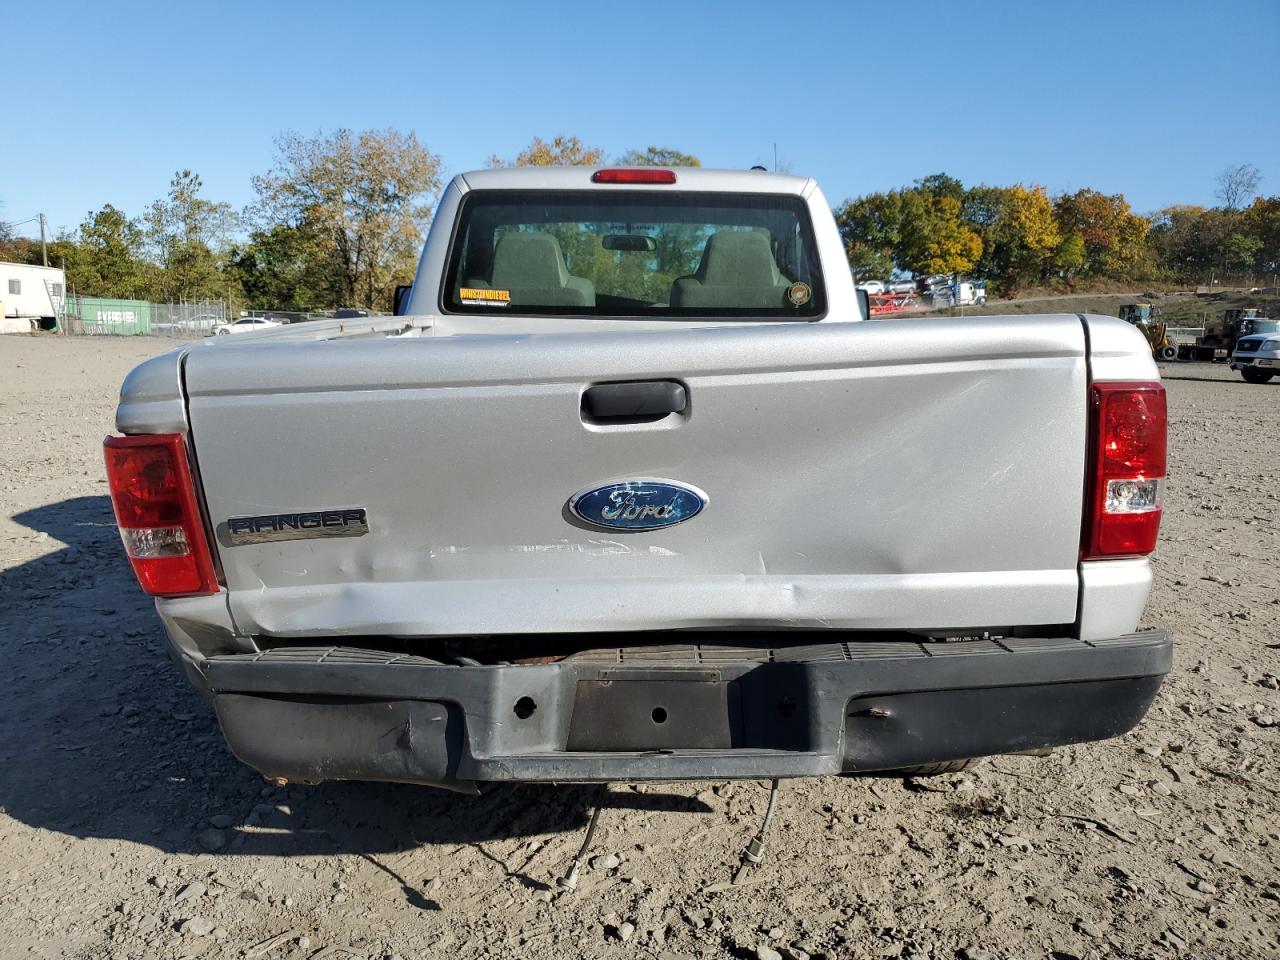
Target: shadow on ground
[[1191, 378], [102, 736]]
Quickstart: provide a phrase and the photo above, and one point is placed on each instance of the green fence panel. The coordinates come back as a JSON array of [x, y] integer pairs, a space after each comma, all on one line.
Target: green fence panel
[[100, 315]]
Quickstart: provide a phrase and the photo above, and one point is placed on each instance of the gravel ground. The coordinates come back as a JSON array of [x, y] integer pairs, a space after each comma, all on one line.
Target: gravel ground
[[127, 830]]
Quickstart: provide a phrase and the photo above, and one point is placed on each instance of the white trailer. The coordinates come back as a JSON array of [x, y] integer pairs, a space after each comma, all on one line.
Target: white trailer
[[32, 296], [970, 292]]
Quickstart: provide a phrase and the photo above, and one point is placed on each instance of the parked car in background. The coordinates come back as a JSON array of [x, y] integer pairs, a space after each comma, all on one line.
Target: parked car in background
[[201, 322], [871, 286], [901, 286], [246, 325]]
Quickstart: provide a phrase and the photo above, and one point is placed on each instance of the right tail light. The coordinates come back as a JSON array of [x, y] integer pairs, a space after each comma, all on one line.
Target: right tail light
[[1128, 460]]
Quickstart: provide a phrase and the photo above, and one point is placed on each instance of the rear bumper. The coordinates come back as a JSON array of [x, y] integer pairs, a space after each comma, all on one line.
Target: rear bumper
[[312, 714]]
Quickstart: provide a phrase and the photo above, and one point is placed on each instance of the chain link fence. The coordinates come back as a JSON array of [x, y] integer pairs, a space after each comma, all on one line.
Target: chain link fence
[[98, 316], [187, 319]]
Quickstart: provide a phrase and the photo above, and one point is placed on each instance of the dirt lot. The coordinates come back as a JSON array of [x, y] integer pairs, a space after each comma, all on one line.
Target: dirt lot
[[127, 830]]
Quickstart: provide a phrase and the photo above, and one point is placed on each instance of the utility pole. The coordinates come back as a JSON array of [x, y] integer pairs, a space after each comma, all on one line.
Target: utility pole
[[44, 251]]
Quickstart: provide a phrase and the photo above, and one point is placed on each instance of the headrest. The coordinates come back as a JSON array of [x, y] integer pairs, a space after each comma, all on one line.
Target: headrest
[[738, 259], [524, 260]]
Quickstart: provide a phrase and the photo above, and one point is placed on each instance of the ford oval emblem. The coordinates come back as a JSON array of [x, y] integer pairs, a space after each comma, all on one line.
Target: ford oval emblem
[[638, 504]]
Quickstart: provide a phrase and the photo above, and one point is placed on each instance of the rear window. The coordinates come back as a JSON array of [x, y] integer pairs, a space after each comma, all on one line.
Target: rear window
[[634, 254]]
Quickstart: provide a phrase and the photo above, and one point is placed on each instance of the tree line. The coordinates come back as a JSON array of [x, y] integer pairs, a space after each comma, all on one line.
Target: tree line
[[338, 220], [1020, 236]]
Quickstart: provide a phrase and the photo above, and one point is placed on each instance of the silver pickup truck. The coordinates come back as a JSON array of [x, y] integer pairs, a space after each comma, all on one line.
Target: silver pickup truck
[[1257, 357], [634, 490]]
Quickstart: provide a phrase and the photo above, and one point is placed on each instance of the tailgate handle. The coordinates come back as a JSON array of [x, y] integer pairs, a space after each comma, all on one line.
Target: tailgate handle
[[634, 400]]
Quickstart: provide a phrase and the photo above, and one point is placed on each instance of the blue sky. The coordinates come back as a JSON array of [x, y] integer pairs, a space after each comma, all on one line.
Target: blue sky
[[1151, 99]]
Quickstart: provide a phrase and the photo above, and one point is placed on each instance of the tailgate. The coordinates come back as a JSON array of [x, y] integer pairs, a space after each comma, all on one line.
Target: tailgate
[[921, 474]]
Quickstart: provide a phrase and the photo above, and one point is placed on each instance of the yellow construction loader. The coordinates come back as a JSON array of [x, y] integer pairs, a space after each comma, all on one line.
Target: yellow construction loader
[[1143, 316]]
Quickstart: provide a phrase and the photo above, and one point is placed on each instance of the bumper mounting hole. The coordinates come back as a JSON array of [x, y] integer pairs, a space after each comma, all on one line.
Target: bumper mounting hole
[[525, 707]]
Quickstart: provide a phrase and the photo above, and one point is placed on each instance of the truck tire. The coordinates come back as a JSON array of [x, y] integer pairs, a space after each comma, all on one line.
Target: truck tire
[[1167, 353], [1255, 376]]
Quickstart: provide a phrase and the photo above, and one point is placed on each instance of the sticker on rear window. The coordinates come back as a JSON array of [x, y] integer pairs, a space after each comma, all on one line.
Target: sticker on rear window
[[799, 293], [475, 297]]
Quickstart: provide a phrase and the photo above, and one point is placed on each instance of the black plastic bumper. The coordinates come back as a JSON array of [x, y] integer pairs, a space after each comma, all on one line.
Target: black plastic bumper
[[676, 713]]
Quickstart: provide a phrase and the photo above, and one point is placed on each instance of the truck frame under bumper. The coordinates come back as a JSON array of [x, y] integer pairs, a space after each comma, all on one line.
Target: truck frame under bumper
[[676, 712]]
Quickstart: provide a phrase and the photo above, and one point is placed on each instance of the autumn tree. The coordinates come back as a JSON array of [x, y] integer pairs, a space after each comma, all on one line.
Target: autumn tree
[[657, 157], [1189, 242], [286, 268], [1237, 185], [184, 232], [1114, 237], [16, 249], [871, 228], [1262, 219], [919, 229], [1239, 253], [1178, 238], [106, 258], [1020, 237], [13, 248], [360, 201], [934, 237], [560, 152], [1069, 257], [941, 185]]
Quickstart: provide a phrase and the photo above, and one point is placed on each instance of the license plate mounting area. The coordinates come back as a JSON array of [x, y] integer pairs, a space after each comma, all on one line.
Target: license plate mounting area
[[630, 710]]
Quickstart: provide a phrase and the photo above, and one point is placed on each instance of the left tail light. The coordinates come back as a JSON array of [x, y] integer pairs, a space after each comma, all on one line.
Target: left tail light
[[154, 497]]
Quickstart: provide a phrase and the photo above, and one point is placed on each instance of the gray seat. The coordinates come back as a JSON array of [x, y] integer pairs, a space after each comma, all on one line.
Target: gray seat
[[532, 267], [737, 270]]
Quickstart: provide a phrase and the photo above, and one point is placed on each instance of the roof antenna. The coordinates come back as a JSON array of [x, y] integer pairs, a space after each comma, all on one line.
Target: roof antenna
[[569, 882], [753, 856]]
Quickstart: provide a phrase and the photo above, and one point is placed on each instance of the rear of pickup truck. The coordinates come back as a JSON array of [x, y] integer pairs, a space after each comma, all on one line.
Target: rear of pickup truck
[[651, 551]]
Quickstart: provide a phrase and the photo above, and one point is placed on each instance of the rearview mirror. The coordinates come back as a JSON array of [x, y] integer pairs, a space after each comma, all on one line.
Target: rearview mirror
[[630, 242]]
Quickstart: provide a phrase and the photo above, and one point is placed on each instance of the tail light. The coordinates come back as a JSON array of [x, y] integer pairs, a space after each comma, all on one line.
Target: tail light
[[640, 175], [155, 504], [1127, 467]]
